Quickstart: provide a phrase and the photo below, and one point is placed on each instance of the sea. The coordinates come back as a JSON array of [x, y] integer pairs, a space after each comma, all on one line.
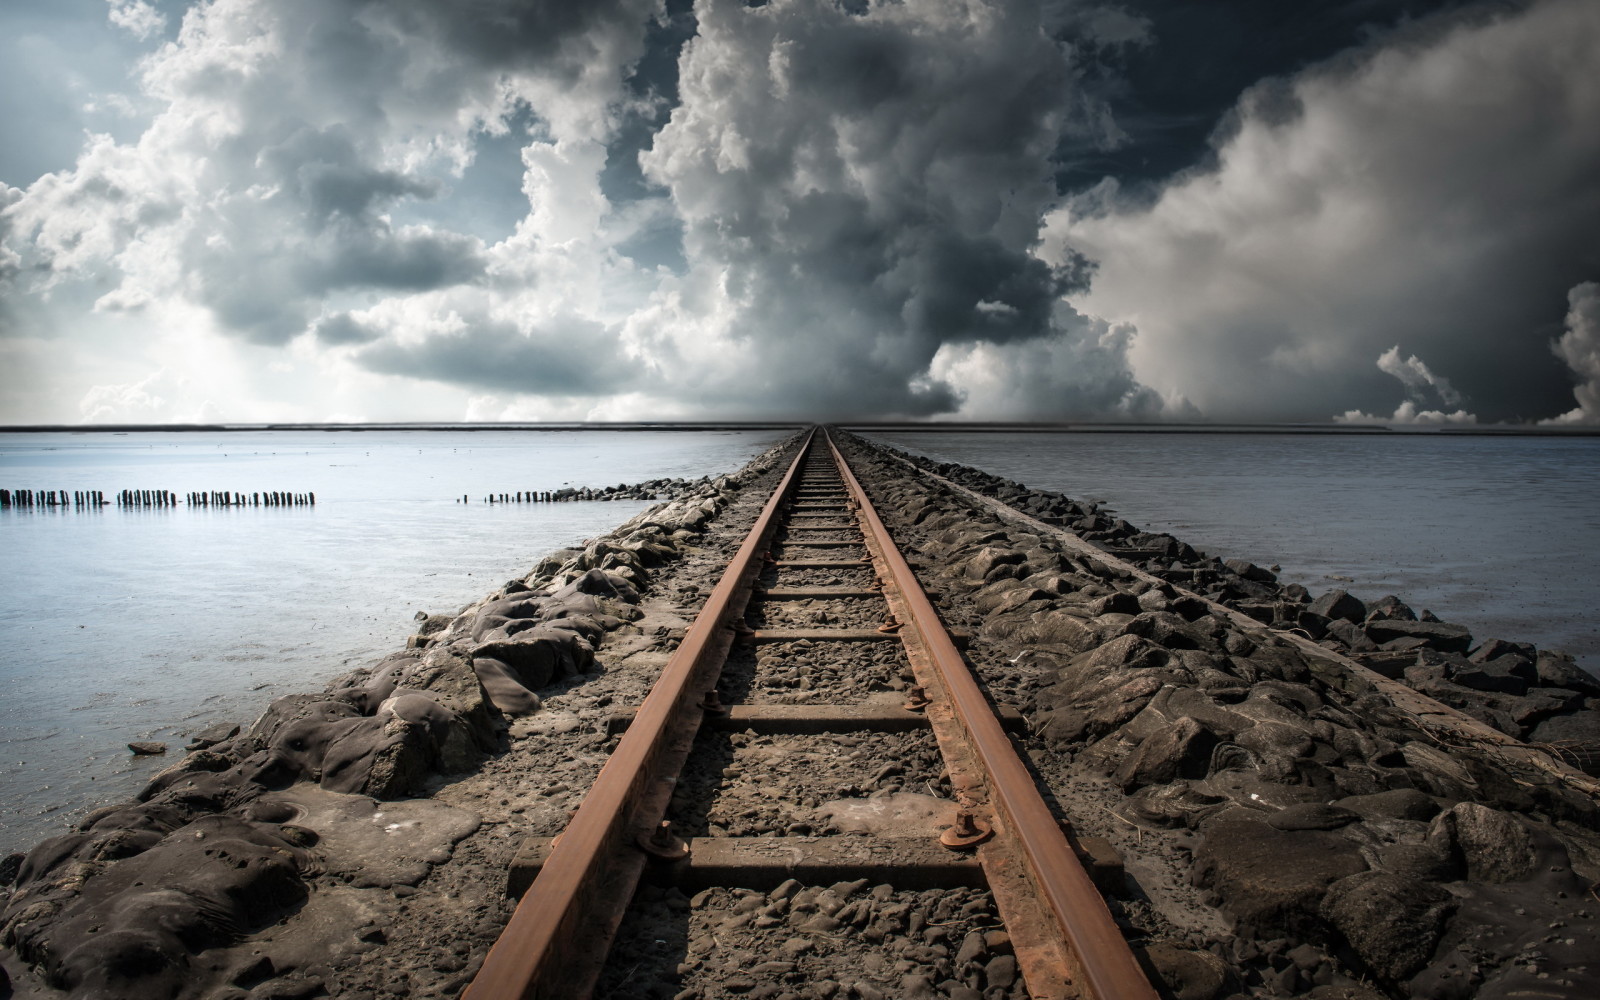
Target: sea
[[121, 625]]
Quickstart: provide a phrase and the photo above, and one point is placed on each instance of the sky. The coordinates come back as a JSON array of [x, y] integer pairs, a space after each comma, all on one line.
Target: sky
[[1359, 211]]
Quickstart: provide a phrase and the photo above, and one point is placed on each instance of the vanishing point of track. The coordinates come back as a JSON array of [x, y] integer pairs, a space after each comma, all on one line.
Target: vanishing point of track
[[1004, 835]]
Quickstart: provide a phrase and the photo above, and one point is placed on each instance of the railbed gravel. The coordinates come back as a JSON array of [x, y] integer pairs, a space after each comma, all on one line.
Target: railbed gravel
[[845, 941]]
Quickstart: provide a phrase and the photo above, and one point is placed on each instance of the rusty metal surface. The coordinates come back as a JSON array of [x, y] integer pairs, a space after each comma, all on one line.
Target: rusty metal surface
[[1029, 847], [556, 939]]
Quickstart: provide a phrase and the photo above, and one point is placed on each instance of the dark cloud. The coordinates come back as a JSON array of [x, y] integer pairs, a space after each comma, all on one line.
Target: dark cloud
[[1433, 190], [324, 172], [565, 357], [552, 37], [413, 260], [869, 187], [1172, 87], [342, 328]]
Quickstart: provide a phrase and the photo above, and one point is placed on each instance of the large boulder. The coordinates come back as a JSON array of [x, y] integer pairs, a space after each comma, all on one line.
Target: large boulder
[[1341, 605], [1392, 922], [1271, 882], [131, 931], [1493, 845], [1442, 636], [1182, 750]]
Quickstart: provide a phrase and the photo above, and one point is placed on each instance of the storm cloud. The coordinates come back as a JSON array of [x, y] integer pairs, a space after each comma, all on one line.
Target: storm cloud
[[1434, 188], [1040, 209]]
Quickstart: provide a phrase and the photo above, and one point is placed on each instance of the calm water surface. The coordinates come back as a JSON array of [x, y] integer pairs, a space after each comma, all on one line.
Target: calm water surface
[[151, 624], [1499, 534]]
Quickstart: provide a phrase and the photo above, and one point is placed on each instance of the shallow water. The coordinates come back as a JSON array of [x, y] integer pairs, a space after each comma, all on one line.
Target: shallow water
[[1501, 534], [124, 625]]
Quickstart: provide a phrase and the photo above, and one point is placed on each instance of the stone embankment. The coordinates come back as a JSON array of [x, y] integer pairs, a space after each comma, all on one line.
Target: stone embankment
[[652, 489], [1536, 695], [1281, 836], [279, 861]]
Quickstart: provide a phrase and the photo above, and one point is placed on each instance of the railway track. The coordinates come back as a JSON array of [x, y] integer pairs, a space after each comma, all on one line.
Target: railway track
[[744, 733]]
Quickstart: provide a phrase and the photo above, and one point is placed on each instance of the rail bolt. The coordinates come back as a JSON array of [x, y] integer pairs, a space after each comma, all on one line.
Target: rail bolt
[[968, 831], [711, 704], [916, 699], [660, 843], [890, 624]]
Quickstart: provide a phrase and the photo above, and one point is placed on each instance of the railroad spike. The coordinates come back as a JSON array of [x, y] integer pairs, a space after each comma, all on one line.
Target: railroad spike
[[968, 831], [662, 843]]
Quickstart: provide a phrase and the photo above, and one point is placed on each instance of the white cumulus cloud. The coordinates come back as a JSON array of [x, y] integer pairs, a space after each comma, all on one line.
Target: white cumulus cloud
[[136, 17], [1435, 188], [1579, 347]]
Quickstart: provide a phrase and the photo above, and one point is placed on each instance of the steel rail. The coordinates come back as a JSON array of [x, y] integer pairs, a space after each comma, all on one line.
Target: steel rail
[[1104, 965], [556, 939]]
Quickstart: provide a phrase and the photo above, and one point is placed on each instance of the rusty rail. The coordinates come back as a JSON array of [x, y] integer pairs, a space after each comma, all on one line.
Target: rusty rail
[[579, 885], [1100, 963], [567, 918]]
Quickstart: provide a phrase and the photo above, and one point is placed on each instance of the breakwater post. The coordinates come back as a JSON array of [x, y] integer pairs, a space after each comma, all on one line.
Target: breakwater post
[[141, 499]]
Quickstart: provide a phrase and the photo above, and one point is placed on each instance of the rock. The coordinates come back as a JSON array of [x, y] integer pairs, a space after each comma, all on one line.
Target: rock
[[988, 558], [1390, 608], [1105, 707], [1115, 604], [212, 735], [1270, 881], [1493, 649], [1400, 803], [1182, 750], [1492, 844], [1311, 816], [1057, 628], [537, 656], [131, 933], [1437, 635], [505, 687], [1392, 922], [1124, 651], [1168, 630], [1542, 702], [1186, 974], [1574, 730], [145, 748], [1506, 675], [1000, 972], [973, 949], [1350, 636], [1339, 604], [1558, 670], [1250, 571], [1154, 600]]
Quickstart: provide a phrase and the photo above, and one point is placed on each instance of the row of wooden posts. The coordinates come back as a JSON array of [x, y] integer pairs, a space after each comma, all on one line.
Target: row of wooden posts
[[153, 498], [224, 498], [537, 496]]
